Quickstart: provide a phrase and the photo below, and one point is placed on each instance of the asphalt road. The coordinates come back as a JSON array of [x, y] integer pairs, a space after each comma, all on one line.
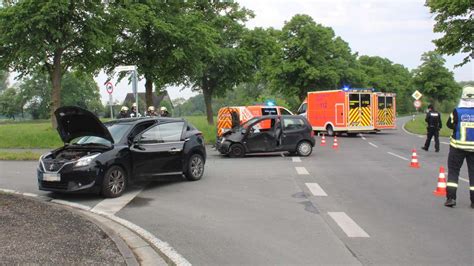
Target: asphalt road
[[361, 204]]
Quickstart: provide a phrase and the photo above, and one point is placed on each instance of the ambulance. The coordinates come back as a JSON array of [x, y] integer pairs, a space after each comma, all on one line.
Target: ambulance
[[232, 116], [349, 111]]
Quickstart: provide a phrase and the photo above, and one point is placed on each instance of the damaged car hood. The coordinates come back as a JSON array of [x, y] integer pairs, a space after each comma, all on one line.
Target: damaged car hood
[[74, 122]]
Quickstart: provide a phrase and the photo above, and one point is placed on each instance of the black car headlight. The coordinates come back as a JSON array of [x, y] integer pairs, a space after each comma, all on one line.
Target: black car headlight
[[86, 161]]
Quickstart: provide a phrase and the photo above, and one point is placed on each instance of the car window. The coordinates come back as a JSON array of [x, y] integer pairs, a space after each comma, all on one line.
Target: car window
[[284, 111], [167, 132], [116, 130], [302, 108], [293, 123]]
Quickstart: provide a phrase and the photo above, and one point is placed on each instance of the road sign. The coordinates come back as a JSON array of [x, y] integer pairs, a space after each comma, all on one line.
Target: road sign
[[417, 95], [109, 87], [417, 104], [125, 68]]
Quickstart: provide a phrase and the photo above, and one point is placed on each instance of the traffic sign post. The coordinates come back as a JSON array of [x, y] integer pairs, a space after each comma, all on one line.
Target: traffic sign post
[[110, 89], [416, 95], [417, 104]]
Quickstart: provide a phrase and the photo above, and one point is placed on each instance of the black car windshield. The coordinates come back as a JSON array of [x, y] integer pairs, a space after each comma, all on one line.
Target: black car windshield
[[116, 130], [249, 122]]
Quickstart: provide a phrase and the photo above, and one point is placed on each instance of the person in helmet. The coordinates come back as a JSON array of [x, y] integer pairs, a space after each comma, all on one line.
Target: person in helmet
[[461, 121], [164, 112], [134, 112], [123, 112], [151, 111]]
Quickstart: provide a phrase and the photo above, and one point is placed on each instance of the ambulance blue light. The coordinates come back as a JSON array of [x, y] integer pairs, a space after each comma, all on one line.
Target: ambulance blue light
[[270, 103], [345, 88]]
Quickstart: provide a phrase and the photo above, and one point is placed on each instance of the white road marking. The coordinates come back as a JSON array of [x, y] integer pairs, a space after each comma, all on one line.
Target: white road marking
[[301, 171], [296, 159], [351, 228], [30, 194], [396, 155], [112, 206], [464, 179], [373, 145], [421, 137], [316, 189], [447, 143]]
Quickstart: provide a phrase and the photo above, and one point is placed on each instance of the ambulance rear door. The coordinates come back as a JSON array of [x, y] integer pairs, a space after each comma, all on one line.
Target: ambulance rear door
[[360, 111]]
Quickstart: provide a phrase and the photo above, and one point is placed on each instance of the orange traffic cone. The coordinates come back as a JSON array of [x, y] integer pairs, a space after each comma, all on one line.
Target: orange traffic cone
[[441, 188], [335, 145], [414, 160], [323, 141]]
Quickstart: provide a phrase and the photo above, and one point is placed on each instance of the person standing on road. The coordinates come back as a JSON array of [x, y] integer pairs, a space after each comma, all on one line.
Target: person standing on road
[[123, 113], [151, 111], [461, 145], [134, 112], [433, 118]]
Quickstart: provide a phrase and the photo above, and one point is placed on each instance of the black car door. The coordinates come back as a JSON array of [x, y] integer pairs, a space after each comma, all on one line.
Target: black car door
[[293, 132], [261, 136], [159, 150]]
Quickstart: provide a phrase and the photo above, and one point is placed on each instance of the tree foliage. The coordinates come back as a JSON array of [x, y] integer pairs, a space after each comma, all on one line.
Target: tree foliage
[[434, 80], [454, 19], [310, 58], [3, 80], [54, 36], [9, 103]]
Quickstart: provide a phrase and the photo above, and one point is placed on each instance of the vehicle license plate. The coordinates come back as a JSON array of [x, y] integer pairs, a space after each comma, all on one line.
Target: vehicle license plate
[[52, 177]]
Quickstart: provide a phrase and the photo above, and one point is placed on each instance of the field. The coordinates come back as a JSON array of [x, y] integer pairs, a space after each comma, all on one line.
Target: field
[[39, 134], [419, 126]]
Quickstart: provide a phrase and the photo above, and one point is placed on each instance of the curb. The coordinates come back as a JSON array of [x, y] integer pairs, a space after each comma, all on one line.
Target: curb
[[147, 248]]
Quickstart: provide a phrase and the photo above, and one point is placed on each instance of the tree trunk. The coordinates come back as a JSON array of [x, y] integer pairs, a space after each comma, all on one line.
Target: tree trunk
[[148, 92], [55, 75], [207, 92]]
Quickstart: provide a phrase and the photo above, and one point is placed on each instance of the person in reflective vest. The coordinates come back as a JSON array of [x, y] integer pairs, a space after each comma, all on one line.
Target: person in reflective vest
[[461, 145], [433, 118]]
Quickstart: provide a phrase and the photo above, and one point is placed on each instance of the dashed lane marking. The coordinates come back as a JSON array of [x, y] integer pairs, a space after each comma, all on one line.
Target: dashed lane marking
[[373, 145], [396, 155], [351, 228], [301, 171], [296, 159], [464, 179], [112, 206], [316, 189], [447, 143]]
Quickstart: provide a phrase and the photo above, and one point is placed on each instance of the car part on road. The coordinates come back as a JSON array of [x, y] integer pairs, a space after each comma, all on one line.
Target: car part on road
[[115, 182]]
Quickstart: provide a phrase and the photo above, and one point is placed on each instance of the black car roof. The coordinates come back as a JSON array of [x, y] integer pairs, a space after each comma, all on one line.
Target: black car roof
[[143, 119]]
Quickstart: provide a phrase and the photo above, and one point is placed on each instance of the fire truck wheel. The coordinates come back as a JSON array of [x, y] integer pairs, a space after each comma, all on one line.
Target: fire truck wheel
[[304, 148], [330, 130], [236, 151]]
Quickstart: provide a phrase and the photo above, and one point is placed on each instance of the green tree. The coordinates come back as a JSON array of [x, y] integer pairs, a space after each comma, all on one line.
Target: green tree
[[9, 103], [455, 20], [227, 62], [3, 80], [434, 80], [54, 36], [311, 57], [157, 37], [383, 75]]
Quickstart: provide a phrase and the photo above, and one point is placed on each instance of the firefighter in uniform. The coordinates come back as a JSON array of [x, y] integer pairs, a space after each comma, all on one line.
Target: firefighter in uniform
[[433, 118], [123, 112], [461, 145]]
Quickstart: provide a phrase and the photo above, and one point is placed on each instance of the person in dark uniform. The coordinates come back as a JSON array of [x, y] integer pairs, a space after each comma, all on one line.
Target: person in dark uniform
[[433, 118], [164, 112], [461, 146], [134, 112], [123, 113]]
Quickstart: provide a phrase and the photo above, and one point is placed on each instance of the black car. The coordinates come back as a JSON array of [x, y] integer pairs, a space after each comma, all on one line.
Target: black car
[[106, 157], [272, 133]]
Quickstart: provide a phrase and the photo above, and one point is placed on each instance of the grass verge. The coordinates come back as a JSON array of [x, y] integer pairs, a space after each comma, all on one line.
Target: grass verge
[[418, 126], [19, 156]]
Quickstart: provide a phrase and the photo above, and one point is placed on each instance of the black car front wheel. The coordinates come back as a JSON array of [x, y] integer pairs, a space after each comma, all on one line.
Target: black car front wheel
[[195, 168], [115, 182], [236, 150], [304, 148]]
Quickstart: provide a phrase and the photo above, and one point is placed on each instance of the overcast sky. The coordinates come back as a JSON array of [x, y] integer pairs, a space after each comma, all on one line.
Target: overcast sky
[[400, 30]]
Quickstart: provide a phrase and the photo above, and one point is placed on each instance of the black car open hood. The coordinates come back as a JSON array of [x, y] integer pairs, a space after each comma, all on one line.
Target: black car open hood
[[74, 122]]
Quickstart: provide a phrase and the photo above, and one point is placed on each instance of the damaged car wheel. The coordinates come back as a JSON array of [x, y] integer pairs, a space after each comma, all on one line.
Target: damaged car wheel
[[304, 148], [236, 151], [115, 182]]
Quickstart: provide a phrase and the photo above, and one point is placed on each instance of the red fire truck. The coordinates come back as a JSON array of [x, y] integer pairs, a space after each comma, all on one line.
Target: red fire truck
[[349, 111]]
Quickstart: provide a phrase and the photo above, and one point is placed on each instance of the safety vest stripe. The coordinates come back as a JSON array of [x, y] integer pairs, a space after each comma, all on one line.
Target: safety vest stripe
[[471, 188], [451, 184]]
